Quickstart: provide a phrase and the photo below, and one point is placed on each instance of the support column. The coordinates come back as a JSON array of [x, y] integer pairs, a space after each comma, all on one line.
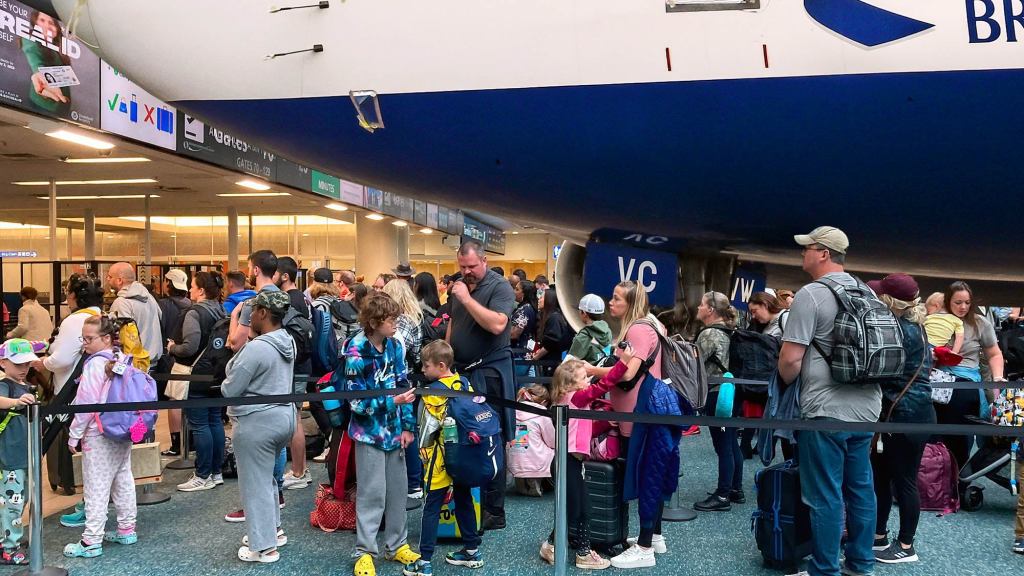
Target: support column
[[53, 220], [147, 241], [232, 238], [380, 246], [251, 249], [90, 235]]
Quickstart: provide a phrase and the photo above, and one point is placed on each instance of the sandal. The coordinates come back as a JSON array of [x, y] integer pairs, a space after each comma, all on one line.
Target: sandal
[[265, 557]]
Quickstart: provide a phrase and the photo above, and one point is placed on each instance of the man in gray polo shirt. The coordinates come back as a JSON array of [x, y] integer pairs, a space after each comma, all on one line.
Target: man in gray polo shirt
[[480, 333], [835, 467]]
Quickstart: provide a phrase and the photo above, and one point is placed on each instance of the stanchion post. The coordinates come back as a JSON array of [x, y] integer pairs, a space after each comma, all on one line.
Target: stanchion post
[[35, 480], [561, 494]]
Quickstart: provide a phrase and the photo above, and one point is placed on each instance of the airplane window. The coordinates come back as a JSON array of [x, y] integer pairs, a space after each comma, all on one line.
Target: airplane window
[[710, 5]]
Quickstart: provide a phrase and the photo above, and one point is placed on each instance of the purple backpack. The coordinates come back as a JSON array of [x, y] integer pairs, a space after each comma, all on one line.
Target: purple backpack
[[938, 480], [133, 385]]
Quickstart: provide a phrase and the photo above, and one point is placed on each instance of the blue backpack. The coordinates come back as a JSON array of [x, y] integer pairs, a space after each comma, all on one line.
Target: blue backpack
[[325, 345], [132, 385], [478, 456]]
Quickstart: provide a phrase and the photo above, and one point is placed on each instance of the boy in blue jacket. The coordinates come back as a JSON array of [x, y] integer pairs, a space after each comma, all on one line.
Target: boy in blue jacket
[[381, 427]]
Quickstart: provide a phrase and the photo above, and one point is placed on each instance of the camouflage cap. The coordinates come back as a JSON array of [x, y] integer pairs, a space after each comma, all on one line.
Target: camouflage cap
[[277, 302]]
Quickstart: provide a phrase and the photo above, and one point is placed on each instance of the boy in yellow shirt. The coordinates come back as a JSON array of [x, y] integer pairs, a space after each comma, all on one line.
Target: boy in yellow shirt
[[943, 329], [437, 358]]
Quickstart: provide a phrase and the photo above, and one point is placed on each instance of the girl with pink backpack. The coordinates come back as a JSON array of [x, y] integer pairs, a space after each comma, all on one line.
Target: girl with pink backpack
[[106, 461]]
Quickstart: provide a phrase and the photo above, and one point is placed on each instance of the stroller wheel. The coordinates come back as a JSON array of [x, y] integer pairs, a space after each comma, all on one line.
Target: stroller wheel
[[972, 499]]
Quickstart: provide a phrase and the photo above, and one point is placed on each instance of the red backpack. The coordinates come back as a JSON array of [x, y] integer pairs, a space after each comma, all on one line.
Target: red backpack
[[938, 480]]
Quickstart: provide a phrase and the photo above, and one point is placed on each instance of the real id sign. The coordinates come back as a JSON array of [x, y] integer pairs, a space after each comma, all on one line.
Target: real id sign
[[609, 264]]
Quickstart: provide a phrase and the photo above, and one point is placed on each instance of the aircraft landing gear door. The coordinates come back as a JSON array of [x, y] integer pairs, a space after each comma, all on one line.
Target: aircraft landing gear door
[[367, 109], [710, 5]]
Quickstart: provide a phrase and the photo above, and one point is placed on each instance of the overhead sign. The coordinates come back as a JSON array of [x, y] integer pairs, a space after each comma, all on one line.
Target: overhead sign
[[492, 238], [556, 251], [18, 254], [431, 215], [352, 193], [608, 264], [130, 111], [419, 212], [294, 174], [211, 144], [746, 280], [374, 199], [326, 185], [45, 70]]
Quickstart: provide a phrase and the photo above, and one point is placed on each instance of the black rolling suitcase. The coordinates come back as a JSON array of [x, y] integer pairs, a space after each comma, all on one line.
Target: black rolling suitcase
[[609, 515], [782, 522]]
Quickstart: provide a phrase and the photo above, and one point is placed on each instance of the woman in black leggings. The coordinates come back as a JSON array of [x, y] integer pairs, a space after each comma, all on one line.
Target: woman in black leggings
[[896, 458]]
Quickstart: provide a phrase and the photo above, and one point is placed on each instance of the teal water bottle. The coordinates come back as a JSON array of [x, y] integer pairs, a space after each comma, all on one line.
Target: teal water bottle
[[449, 431], [726, 396]]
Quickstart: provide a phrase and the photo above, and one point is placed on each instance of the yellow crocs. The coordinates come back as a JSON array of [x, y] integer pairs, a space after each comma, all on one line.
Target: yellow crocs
[[364, 566], [404, 555]]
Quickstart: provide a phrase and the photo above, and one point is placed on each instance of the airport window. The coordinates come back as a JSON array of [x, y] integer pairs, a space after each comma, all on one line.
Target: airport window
[[710, 5]]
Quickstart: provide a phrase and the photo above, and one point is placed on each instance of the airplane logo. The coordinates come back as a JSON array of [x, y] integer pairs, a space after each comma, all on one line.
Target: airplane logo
[[863, 23]]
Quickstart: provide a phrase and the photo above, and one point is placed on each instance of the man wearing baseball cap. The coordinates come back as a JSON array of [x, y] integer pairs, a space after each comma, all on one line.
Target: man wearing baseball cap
[[593, 340], [835, 467]]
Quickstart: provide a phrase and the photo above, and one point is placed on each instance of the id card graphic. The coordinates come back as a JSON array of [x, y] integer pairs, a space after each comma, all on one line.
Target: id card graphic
[[59, 76]]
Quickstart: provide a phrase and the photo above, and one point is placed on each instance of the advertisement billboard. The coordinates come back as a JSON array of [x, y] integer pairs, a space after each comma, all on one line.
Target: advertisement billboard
[[128, 110], [45, 70]]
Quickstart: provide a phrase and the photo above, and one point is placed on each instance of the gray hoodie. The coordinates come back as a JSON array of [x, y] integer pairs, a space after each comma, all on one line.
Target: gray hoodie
[[263, 367], [135, 302]]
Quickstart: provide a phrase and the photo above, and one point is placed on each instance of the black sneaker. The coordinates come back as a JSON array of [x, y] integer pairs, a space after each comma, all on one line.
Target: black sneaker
[[713, 504], [881, 543], [896, 554], [1018, 545], [737, 497], [490, 522]]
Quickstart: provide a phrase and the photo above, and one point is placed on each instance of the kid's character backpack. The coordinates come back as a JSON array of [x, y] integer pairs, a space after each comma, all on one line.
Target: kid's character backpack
[[474, 455], [128, 384], [129, 341]]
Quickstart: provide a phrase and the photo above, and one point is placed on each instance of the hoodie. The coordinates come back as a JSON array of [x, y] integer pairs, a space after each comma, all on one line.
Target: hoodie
[[237, 298], [135, 302], [377, 420], [263, 367], [531, 452], [592, 342]]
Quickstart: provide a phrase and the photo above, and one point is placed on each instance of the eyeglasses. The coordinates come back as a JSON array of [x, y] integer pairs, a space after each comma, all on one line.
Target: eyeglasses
[[89, 339]]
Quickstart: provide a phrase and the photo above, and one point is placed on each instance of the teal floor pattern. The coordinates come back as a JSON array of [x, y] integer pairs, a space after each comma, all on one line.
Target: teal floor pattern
[[188, 536]]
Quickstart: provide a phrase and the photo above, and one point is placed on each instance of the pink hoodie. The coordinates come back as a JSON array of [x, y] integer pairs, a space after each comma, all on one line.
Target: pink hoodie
[[531, 453], [90, 391], [581, 430]]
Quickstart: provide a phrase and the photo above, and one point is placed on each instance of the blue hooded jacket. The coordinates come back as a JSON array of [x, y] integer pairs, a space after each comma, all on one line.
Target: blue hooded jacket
[[237, 298], [652, 468]]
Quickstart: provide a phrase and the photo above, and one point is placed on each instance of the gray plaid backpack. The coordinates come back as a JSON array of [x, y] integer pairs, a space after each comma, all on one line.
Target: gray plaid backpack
[[867, 341]]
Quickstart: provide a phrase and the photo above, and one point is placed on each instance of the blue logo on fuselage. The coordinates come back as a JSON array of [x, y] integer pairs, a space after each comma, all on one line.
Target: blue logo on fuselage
[[863, 23]]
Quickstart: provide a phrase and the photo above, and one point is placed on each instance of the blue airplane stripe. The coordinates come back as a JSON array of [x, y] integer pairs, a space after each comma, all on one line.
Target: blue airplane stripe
[[863, 23]]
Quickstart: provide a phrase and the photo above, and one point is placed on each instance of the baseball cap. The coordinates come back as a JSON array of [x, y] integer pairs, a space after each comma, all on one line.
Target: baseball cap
[[592, 304], [900, 286], [275, 301], [828, 236], [323, 275], [21, 351], [178, 278]]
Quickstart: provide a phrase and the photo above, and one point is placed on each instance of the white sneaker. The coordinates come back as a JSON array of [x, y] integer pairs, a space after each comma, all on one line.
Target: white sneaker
[[657, 542], [635, 557], [281, 539], [323, 456], [247, 555], [293, 482], [218, 479], [195, 484]]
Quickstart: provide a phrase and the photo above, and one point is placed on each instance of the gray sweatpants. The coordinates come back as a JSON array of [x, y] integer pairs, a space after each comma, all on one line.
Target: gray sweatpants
[[381, 490], [257, 440]]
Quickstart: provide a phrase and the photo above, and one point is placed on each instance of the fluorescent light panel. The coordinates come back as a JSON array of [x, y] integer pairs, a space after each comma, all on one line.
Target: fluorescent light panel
[[87, 182], [109, 197], [253, 194], [426, 231], [374, 216], [123, 160], [400, 223], [79, 138], [336, 206], [253, 184]]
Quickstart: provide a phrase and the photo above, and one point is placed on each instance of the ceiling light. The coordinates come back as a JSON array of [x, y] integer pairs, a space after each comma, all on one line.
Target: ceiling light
[[253, 184], [515, 233], [86, 182], [110, 197], [400, 223], [336, 206], [426, 231], [104, 160], [80, 139], [252, 194], [375, 216]]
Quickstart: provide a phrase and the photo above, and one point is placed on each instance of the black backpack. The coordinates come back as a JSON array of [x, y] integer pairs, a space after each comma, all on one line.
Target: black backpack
[[344, 316], [300, 329], [434, 325], [752, 356], [215, 356], [1011, 342]]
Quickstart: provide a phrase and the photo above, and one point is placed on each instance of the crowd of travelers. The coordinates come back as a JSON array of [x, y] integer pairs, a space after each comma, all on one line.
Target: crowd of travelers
[[255, 333]]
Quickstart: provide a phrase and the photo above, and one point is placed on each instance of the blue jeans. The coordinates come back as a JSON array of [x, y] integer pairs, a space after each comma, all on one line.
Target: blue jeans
[[208, 435], [279, 465], [465, 517], [414, 467], [835, 469]]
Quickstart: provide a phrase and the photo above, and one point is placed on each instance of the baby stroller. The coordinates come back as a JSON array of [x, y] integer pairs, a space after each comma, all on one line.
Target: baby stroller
[[995, 451]]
